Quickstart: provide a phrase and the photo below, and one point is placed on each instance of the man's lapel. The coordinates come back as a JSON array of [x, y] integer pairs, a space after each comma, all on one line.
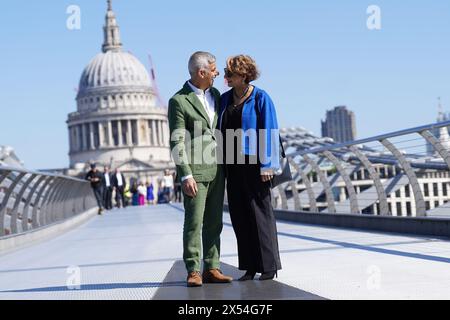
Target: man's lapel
[[195, 102]]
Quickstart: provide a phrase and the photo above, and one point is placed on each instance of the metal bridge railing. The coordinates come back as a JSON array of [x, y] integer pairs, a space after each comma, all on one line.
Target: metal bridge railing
[[31, 200], [317, 167]]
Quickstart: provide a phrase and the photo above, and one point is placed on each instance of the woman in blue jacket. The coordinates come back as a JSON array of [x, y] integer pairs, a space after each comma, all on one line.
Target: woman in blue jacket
[[248, 123]]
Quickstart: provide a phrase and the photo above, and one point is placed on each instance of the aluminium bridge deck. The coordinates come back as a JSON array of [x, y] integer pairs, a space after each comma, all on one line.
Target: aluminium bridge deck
[[136, 254]]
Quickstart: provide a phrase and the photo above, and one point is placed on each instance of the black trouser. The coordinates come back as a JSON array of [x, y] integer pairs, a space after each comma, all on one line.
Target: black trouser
[[107, 197], [120, 197], [98, 196], [254, 224], [178, 193]]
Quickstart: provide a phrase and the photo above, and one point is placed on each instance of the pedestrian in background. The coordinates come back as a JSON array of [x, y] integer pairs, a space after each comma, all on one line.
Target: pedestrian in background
[[118, 180], [150, 195], [142, 193], [162, 194], [177, 188], [168, 185], [95, 177], [107, 188], [127, 195], [134, 194]]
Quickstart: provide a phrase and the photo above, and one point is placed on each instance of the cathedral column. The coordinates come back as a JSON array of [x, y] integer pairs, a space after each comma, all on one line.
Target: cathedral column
[[163, 134], [84, 136], [119, 132], [100, 135], [158, 133], [110, 136], [91, 135], [87, 147], [70, 140], [80, 137], [138, 138], [81, 142], [146, 132], [166, 133], [76, 140], [154, 136], [149, 132], [160, 136], [129, 139]]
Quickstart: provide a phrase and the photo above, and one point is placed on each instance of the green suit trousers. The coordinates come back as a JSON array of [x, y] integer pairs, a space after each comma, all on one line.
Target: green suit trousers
[[203, 224]]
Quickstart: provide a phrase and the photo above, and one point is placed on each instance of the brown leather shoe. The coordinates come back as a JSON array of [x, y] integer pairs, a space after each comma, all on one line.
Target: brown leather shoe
[[194, 279], [215, 276]]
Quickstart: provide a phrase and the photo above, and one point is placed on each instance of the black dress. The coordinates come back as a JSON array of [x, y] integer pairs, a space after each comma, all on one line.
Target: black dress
[[249, 201]]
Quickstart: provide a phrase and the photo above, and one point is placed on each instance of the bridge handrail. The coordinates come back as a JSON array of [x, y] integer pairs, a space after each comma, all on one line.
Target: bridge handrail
[[340, 155], [34, 199], [23, 170], [394, 134]]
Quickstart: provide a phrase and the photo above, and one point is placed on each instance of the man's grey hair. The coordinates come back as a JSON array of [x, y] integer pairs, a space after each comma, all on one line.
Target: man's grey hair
[[200, 60]]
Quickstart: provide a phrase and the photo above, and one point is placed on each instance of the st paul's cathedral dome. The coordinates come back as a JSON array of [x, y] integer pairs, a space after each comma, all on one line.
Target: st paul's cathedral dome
[[120, 120]]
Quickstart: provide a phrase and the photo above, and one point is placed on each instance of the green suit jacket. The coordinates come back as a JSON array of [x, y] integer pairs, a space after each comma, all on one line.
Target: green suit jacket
[[193, 140]]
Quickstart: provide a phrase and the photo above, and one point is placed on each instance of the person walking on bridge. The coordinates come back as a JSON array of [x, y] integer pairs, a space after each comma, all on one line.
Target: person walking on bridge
[[107, 188], [95, 177], [118, 181], [193, 110]]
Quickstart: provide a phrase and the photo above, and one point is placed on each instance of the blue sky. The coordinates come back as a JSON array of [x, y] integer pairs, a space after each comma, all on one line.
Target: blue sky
[[313, 55]]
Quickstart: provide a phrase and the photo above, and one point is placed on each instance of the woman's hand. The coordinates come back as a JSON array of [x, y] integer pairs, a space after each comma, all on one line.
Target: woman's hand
[[266, 176]]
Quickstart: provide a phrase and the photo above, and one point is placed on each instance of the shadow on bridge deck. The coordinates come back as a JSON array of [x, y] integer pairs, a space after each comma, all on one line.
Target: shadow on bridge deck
[[248, 290]]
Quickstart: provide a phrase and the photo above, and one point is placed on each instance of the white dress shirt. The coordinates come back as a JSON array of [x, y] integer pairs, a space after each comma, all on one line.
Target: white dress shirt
[[108, 183], [207, 99], [209, 105], [119, 180]]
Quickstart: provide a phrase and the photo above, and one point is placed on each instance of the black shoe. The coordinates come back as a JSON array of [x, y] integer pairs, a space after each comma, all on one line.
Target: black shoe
[[268, 275], [249, 275]]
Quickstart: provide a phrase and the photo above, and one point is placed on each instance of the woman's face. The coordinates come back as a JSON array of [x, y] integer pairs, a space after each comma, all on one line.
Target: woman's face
[[233, 79]]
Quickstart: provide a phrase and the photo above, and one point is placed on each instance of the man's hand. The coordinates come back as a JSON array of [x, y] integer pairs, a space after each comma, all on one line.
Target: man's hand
[[266, 176], [190, 187]]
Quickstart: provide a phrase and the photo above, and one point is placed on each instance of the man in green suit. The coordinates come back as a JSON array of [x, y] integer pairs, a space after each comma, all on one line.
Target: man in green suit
[[193, 115]]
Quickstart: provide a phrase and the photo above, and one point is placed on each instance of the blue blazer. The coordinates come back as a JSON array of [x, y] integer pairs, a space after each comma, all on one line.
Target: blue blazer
[[260, 126]]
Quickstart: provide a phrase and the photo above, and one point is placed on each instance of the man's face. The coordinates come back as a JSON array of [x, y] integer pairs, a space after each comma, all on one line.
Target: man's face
[[210, 74]]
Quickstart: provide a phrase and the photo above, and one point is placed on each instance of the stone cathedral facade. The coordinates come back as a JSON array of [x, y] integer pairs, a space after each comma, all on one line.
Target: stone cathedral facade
[[120, 120]]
